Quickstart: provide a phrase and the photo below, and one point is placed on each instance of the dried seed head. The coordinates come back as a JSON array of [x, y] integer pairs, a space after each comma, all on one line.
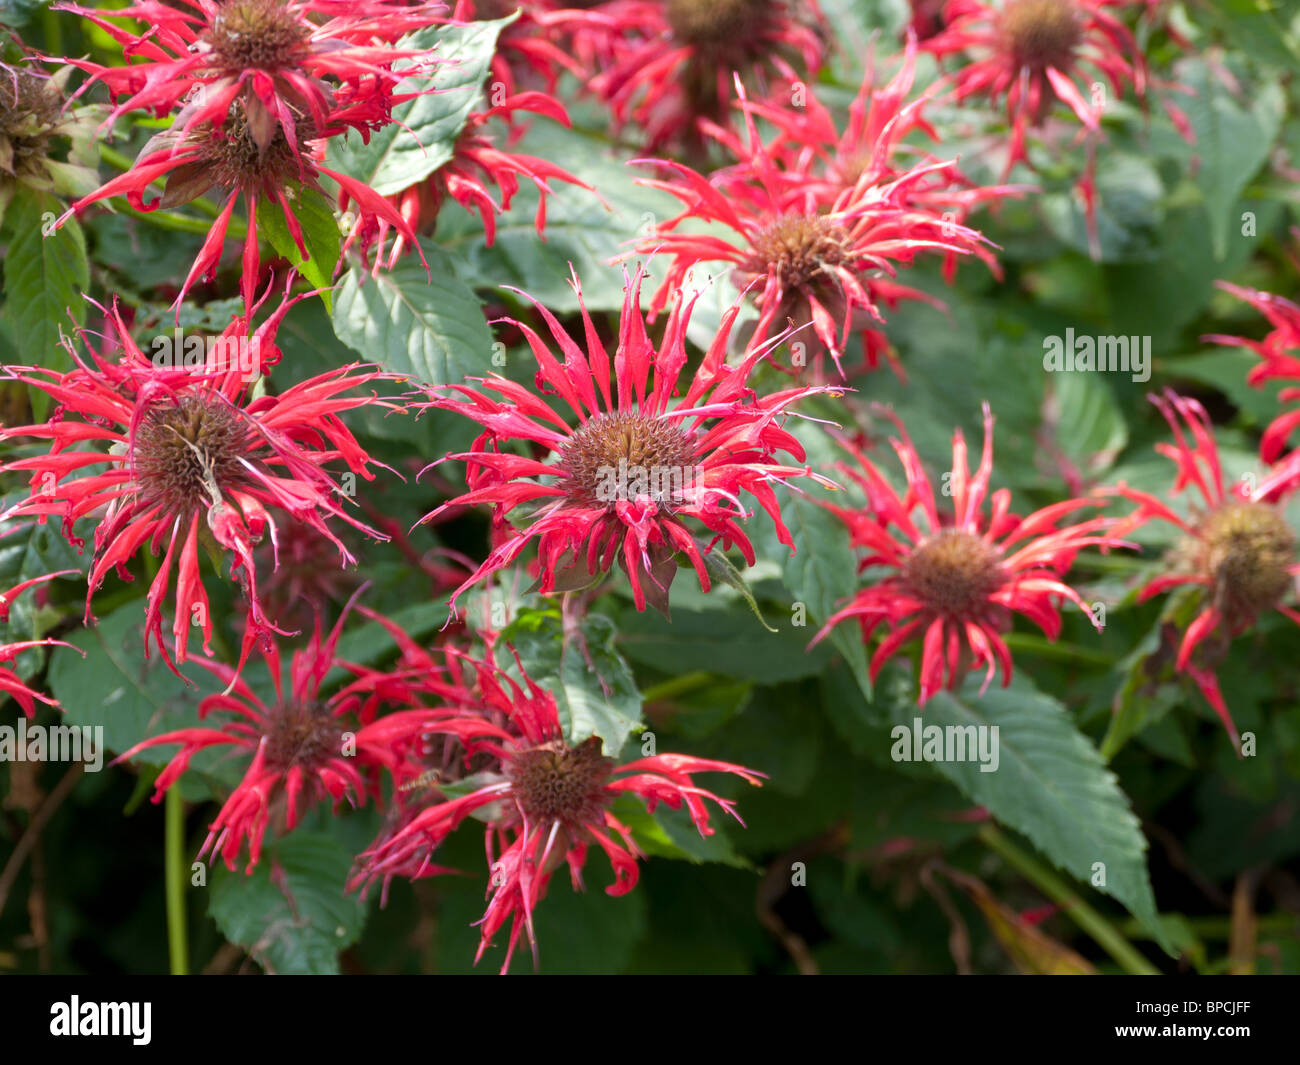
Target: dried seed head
[[954, 573], [257, 34], [1246, 550], [555, 782], [186, 446], [631, 441], [29, 115], [1041, 33]]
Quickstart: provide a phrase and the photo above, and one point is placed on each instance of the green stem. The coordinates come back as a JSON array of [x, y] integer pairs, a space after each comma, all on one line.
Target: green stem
[[1218, 927], [677, 686], [1102, 931], [177, 944]]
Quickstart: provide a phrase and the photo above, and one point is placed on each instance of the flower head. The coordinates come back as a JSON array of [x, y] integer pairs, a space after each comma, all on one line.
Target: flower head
[[280, 60], [177, 457], [1236, 546], [303, 744], [546, 801], [810, 246], [667, 64], [1030, 53], [642, 460], [954, 580], [32, 120], [194, 159]]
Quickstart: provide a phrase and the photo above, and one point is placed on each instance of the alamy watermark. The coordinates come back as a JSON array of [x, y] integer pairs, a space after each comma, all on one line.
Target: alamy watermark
[[946, 743], [663, 484], [53, 743], [1102, 354]]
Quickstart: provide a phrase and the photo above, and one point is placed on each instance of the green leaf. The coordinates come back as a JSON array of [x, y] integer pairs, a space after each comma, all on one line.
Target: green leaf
[[721, 568], [821, 573], [719, 641], [28, 552], [292, 914], [1129, 210], [671, 834], [422, 135], [429, 328], [1085, 421], [1051, 785], [320, 232], [580, 230], [1233, 139], [602, 703], [45, 273], [115, 688]]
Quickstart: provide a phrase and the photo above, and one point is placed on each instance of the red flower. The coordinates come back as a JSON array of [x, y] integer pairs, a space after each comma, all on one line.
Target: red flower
[[666, 64], [189, 457], [1280, 350], [303, 745], [1032, 51], [1239, 548], [954, 581], [329, 61], [228, 159], [10, 683], [812, 244], [638, 463], [477, 164], [546, 802]]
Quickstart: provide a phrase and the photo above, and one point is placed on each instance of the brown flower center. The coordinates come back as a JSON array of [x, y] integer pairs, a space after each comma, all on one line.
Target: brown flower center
[[302, 734], [261, 34], [1041, 33], [625, 454], [954, 572], [799, 247], [719, 26], [1247, 549], [555, 782], [230, 156], [185, 447]]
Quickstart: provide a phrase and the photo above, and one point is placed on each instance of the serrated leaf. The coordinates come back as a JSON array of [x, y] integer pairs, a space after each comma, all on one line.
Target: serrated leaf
[[1050, 785], [431, 329], [422, 135], [320, 233], [604, 703], [292, 914], [45, 275]]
